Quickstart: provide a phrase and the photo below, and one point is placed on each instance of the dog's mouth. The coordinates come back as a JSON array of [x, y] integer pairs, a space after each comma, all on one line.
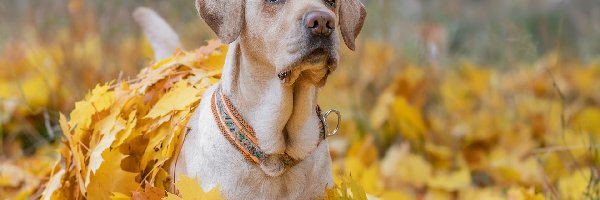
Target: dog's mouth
[[317, 59]]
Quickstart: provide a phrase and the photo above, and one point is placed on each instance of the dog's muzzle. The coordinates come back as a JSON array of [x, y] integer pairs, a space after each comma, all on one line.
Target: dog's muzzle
[[319, 27]]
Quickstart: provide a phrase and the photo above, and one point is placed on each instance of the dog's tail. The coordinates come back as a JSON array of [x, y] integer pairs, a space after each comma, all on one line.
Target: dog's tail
[[162, 37]]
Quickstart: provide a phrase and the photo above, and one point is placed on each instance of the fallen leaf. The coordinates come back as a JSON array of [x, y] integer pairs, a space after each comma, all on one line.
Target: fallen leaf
[[189, 189], [177, 99]]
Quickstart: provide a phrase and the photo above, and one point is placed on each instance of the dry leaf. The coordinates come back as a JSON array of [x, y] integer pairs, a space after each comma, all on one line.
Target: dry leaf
[[189, 189]]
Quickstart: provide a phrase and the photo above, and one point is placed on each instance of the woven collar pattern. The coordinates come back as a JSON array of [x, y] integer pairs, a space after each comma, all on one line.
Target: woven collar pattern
[[241, 135]]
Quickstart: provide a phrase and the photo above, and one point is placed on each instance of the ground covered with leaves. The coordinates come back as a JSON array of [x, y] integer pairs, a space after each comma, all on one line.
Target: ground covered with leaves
[[467, 132]]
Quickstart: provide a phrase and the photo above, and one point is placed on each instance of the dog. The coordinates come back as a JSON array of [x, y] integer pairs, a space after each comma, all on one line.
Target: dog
[[280, 53]]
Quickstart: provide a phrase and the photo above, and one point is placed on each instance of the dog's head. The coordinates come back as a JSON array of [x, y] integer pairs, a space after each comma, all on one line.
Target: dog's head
[[293, 36]]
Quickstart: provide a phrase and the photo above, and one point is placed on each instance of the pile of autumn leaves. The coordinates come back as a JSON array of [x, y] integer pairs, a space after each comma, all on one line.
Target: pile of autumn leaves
[[122, 136]]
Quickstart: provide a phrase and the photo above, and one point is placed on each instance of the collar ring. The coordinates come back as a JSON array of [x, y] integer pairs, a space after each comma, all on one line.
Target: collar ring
[[339, 122]]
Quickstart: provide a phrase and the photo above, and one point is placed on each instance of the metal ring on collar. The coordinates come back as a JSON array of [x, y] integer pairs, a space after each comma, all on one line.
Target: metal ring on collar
[[339, 122]]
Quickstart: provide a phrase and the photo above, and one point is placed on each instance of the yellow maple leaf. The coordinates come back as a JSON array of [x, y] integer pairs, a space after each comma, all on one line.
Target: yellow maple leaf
[[364, 150], [347, 189], [98, 100], [217, 59], [36, 91], [101, 97], [108, 127], [110, 178], [588, 120], [53, 184], [124, 134], [414, 169], [402, 165], [574, 185], [519, 193], [408, 119], [367, 176], [81, 116], [190, 189], [452, 181], [149, 193], [179, 98]]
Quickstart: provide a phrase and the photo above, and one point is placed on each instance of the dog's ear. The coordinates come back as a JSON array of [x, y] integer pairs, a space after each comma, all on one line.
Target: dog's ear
[[352, 18], [225, 17]]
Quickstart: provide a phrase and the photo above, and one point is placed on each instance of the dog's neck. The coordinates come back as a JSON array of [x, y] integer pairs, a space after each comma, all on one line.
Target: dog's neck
[[283, 116]]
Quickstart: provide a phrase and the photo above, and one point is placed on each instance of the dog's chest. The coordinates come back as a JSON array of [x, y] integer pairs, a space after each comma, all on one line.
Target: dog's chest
[[207, 155]]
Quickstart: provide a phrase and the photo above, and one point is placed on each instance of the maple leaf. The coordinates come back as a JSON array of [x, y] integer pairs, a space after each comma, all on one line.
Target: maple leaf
[[149, 193], [189, 189], [458, 180], [53, 184], [574, 186], [111, 178], [408, 119], [177, 99]]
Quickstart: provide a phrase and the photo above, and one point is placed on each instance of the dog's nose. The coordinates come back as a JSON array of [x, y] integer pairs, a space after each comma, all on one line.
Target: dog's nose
[[320, 23]]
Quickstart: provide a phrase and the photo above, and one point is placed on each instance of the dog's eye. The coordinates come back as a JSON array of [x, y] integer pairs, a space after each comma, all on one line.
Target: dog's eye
[[275, 1], [330, 3]]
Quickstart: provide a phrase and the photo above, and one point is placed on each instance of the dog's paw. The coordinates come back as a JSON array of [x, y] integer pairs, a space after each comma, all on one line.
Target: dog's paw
[[272, 165]]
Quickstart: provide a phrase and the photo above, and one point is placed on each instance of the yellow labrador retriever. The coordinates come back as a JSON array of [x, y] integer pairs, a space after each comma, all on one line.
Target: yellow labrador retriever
[[259, 134]]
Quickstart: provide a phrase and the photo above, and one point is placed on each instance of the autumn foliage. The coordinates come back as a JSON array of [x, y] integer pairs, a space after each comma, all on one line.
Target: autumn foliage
[[457, 130], [122, 136]]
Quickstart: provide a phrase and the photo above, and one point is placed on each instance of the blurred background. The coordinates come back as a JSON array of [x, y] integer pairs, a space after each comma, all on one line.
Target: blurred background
[[456, 99]]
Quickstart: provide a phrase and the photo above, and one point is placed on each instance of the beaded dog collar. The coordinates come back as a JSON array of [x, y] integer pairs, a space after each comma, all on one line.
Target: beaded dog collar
[[235, 129]]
